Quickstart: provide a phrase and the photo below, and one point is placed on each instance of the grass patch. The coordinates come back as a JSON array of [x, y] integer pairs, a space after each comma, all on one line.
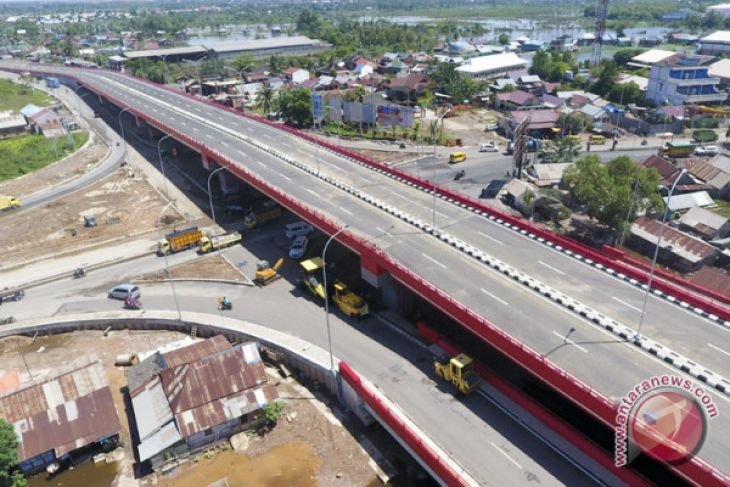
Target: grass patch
[[14, 96], [723, 208], [26, 154]]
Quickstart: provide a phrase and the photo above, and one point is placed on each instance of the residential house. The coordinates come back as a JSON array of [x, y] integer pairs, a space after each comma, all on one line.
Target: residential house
[[651, 57], [683, 38], [296, 75], [547, 174], [195, 396], [721, 9], [256, 77], [714, 177], [682, 202], [116, 62], [712, 278], [500, 84], [721, 69], [515, 194], [715, 44], [539, 122], [595, 115], [667, 171], [12, 124], [493, 66], [46, 122], [406, 89], [683, 79], [57, 416], [678, 249], [395, 68], [705, 224], [513, 100]]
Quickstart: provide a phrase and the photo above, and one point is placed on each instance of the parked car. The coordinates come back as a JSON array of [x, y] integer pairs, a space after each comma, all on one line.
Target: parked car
[[122, 291], [488, 147], [298, 229], [298, 247], [707, 150]]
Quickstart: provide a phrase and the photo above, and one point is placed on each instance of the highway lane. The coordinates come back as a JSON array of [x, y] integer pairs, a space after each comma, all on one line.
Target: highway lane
[[478, 433], [676, 330], [682, 331], [457, 287]]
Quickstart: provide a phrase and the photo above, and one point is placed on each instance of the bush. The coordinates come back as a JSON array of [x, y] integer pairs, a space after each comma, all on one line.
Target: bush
[[273, 411]]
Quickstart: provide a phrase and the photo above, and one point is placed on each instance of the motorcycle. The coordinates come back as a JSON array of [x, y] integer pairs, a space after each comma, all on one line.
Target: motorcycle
[[459, 175], [224, 304], [131, 303], [79, 272], [644, 142]]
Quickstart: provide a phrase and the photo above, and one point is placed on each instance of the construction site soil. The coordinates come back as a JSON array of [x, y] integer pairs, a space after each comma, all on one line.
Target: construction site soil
[[124, 205], [308, 446], [210, 267]]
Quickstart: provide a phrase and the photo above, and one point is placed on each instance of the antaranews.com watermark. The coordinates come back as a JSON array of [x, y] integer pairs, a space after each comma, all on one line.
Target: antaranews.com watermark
[[665, 417]]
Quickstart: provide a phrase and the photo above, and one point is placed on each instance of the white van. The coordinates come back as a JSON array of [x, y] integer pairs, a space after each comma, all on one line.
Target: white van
[[298, 229]]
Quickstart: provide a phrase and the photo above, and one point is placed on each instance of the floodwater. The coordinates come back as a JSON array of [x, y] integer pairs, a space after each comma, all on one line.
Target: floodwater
[[292, 464], [87, 475]]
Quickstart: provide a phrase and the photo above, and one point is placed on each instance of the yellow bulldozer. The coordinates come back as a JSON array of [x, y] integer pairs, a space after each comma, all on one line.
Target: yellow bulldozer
[[347, 301], [266, 273], [459, 371]]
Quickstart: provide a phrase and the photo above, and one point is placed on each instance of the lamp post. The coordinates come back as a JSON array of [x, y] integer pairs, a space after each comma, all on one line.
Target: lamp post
[[210, 193], [162, 164], [637, 335], [121, 127], [197, 71], [167, 263], [326, 294]]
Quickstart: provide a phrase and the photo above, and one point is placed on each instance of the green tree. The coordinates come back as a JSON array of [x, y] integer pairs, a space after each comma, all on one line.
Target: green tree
[[606, 75], [295, 106], [273, 410], [243, 62], [541, 64], [623, 56], [503, 39], [355, 94], [572, 123], [9, 474], [452, 83], [265, 98], [565, 149], [626, 93], [613, 191]]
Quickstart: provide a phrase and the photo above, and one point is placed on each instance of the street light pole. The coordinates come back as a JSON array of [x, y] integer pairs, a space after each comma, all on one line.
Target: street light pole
[[210, 193], [121, 127], [326, 294], [637, 335], [167, 262], [162, 164]]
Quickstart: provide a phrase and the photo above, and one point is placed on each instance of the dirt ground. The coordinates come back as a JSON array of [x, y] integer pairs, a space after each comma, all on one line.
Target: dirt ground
[[307, 447], [210, 267], [388, 157], [469, 127], [73, 165], [124, 204]]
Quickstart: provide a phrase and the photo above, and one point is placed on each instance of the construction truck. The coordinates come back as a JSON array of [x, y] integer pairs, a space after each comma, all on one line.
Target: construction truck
[[9, 202], [677, 149], [457, 370], [209, 244], [347, 301], [179, 240], [265, 213], [266, 273]]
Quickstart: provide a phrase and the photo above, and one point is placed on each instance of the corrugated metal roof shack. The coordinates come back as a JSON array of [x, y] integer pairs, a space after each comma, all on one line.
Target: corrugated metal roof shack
[[57, 418]]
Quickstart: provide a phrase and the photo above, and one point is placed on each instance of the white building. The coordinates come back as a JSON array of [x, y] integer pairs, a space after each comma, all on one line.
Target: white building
[[683, 79], [716, 43], [493, 66], [722, 9]]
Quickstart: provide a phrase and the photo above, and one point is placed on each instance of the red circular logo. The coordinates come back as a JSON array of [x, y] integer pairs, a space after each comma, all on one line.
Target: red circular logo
[[668, 424]]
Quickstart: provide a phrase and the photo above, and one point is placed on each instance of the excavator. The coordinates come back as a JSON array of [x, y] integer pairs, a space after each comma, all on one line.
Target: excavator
[[266, 273], [459, 371]]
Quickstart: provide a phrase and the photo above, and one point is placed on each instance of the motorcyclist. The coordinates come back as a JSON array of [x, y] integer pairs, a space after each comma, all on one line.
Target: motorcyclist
[[79, 272], [224, 303]]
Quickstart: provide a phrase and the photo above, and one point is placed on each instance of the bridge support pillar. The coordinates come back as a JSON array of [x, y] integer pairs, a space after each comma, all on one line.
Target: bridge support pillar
[[206, 162], [372, 273], [138, 121]]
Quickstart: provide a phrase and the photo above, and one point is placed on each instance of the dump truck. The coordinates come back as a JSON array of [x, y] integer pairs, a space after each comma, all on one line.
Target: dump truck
[[265, 213], [677, 149], [209, 244], [346, 301], [459, 371], [703, 136], [9, 202], [179, 240], [266, 273]]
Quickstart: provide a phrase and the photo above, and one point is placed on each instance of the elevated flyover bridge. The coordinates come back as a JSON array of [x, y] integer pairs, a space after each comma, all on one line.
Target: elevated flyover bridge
[[510, 288]]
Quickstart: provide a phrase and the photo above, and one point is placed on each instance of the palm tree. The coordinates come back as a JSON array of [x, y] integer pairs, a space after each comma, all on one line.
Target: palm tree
[[265, 98]]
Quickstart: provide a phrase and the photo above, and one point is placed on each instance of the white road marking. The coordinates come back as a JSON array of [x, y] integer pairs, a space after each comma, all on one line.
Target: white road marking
[[551, 267], [384, 231], [242, 153], [494, 297], [224, 144], [433, 260], [267, 136], [346, 211], [719, 349], [285, 177], [312, 192], [183, 124], [626, 304], [568, 340], [491, 238], [260, 163], [514, 462], [196, 129]]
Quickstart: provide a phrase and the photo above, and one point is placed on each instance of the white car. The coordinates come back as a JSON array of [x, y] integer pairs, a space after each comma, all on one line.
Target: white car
[[488, 147], [707, 150], [122, 291], [298, 229], [298, 247]]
